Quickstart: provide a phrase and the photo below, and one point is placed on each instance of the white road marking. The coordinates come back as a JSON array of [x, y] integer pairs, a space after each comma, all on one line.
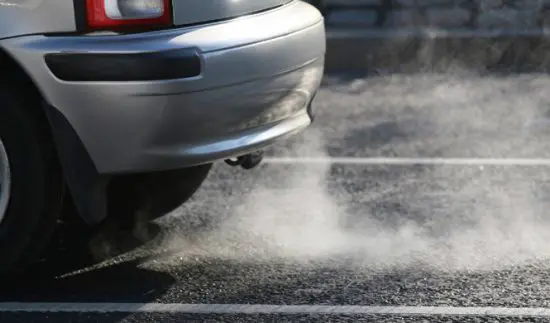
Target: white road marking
[[410, 161], [270, 309]]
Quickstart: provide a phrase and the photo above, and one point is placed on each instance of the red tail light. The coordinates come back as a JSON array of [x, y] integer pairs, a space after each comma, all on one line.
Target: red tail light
[[117, 14]]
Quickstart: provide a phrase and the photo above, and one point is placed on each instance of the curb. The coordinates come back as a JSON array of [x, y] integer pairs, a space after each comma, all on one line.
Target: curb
[[436, 50]]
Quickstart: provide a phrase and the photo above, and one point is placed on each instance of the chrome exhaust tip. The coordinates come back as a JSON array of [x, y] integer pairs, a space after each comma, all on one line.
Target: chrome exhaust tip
[[247, 161]]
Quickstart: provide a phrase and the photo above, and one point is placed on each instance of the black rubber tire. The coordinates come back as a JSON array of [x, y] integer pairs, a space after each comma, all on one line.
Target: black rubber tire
[[135, 200], [37, 184], [155, 193]]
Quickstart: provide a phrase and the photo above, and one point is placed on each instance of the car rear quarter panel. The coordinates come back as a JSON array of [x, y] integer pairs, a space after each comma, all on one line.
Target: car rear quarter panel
[[23, 17]]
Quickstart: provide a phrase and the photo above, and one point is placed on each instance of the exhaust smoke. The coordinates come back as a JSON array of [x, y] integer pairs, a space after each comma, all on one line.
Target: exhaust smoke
[[382, 216], [379, 216]]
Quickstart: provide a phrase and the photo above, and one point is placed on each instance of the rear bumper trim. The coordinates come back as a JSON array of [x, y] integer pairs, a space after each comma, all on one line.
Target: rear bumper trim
[[148, 66]]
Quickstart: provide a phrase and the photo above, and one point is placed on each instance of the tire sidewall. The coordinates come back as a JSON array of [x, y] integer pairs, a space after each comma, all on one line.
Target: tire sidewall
[[29, 180]]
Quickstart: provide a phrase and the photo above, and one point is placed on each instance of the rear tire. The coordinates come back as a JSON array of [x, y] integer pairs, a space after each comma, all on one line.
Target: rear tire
[[135, 200], [36, 185], [153, 194]]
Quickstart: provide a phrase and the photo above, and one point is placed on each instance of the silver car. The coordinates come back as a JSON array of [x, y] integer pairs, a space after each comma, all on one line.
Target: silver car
[[119, 108]]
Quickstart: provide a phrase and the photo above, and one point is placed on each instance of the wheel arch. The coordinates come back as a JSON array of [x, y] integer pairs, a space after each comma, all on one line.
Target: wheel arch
[[86, 187]]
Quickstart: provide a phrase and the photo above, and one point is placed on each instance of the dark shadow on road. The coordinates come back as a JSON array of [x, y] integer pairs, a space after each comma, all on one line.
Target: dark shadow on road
[[120, 282]]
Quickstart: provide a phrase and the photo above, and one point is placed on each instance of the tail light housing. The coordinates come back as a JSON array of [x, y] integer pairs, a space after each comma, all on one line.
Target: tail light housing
[[124, 14]]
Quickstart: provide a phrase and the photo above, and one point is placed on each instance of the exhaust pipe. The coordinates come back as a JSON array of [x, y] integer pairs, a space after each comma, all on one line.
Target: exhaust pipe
[[247, 161]]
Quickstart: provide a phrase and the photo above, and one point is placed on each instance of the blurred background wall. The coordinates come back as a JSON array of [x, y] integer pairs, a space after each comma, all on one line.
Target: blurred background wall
[[446, 14]]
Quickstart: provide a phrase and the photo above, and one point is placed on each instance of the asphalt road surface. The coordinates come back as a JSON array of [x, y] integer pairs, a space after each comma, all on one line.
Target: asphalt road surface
[[427, 199]]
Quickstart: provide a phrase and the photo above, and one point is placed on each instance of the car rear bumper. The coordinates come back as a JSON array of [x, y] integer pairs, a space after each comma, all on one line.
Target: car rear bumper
[[181, 97]]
